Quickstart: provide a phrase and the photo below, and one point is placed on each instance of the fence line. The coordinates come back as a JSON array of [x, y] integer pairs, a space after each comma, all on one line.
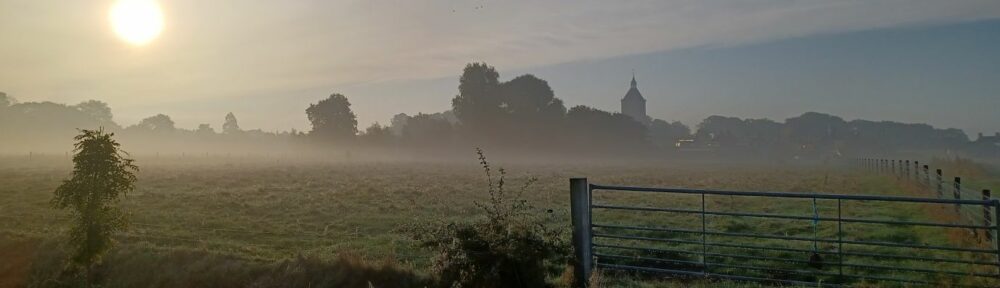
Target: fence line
[[935, 182]]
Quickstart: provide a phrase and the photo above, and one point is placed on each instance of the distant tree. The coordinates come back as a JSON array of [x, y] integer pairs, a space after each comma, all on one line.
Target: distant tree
[[157, 123], [666, 134], [102, 175], [398, 122], [533, 113], [528, 96], [97, 109], [478, 103], [6, 101], [593, 129], [721, 129], [813, 129], [427, 130], [231, 126], [376, 134], [205, 129], [332, 118]]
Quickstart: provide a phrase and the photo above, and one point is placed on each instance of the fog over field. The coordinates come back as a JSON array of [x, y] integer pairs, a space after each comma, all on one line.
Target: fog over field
[[494, 144]]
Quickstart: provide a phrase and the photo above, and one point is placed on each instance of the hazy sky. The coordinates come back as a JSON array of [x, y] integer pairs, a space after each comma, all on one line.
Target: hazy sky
[[910, 60]]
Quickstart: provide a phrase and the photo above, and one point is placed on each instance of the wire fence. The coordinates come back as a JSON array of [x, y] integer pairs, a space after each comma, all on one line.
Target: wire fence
[[931, 181]]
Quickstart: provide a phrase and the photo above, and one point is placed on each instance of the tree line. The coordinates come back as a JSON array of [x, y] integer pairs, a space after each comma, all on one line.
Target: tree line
[[522, 114]]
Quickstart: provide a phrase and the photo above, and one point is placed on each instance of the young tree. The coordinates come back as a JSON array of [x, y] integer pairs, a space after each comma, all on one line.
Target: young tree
[[332, 118], [102, 175]]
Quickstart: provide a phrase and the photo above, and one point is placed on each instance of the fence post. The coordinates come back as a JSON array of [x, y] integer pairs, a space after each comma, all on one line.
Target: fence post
[[893, 166], [987, 218], [940, 185], [996, 229], [916, 170], [927, 173], [958, 194], [579, 197], [906, 170]]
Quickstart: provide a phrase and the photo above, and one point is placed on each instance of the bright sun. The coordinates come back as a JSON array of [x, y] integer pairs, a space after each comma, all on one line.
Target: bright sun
[[137, 21]]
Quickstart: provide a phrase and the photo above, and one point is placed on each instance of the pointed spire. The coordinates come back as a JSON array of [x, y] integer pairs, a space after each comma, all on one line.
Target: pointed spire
[[633, 78]]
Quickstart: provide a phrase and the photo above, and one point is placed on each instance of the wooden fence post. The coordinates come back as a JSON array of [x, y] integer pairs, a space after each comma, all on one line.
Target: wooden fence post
[[906, 169], [916, 170], [579, 192], [958, 193], [940, 185], [927, 174]]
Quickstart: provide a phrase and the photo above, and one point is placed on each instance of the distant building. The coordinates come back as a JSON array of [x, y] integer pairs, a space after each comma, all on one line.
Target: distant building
[[634, 105]]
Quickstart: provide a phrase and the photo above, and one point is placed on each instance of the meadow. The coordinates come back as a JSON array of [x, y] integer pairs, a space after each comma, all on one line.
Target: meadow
[[239, 217]]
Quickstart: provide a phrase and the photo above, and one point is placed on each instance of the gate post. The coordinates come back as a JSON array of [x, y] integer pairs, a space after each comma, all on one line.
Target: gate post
[[579, 199], [987, 218]]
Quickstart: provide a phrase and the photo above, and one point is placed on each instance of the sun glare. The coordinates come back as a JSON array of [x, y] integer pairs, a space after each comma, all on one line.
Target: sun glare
[[137, 22]]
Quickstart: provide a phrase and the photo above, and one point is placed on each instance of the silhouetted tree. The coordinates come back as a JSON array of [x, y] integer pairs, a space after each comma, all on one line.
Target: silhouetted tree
[[427, 130], [205, 129], [97, 109], [532, 112], [815, 131], [332, 118], [527, 97], [593, 129], [6, 101], [478, 103], [664, 134], [158, 123], [376, 134], [398, 122], [102, 175], [231, 126]]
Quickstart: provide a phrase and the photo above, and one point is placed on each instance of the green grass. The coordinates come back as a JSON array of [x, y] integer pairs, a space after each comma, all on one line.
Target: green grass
[[266, 212]]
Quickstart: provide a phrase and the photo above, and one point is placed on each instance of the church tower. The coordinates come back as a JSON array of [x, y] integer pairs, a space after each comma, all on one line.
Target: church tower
[[634, 105]]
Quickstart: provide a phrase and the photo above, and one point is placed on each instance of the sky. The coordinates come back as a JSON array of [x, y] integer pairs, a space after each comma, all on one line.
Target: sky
[[926, 61]]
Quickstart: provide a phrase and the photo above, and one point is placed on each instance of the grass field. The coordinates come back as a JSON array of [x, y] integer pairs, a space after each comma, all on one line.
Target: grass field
[[265, 214]]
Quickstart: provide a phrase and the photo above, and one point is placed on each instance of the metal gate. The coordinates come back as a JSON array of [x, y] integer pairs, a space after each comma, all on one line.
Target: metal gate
[[847, 245]]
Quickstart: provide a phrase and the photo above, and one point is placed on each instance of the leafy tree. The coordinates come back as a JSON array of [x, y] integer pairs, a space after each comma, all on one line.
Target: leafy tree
[[376, 134], [665, 134], [97, 109], [157, 123], [398, 123], [427, 130], [478, 103], [528, 96], [205, 129], [230, 126], [102, 175], [532, 111], [602, 130], [332, 118], [6, 101]]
